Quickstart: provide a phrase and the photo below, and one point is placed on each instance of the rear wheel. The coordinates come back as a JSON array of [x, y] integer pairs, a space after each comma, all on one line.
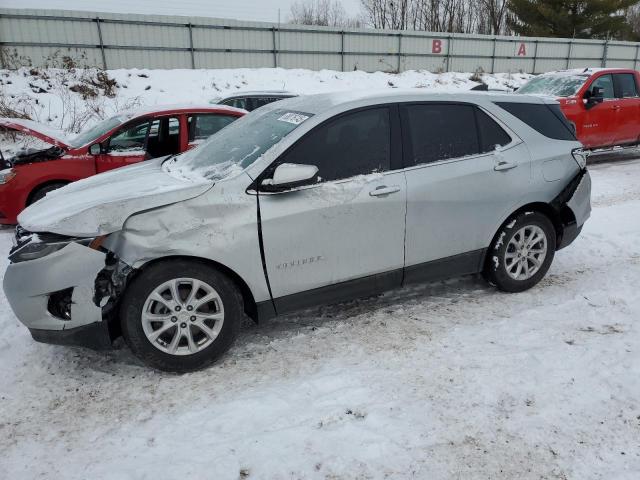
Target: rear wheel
[[180, 316], [39, 193], [521, 252]]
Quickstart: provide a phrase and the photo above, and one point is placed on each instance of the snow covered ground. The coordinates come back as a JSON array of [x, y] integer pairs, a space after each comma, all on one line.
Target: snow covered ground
[[452, 380]]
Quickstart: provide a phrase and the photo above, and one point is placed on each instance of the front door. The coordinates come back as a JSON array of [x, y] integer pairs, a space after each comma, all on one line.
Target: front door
[[467, 173], [138, 141], [599, 120], [349, 226]]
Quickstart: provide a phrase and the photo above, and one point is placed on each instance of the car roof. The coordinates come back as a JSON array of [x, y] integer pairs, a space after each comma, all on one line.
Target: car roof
[[322, 102], [181, 108], [587, 72], [260, 93]]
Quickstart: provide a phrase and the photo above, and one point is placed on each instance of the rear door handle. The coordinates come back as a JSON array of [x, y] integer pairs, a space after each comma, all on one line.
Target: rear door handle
[[616, 107], [383, 190], [504, 165]]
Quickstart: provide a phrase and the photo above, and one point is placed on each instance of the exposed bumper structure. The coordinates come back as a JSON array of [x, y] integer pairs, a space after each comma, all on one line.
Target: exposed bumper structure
[[29, 287], [574, 205]]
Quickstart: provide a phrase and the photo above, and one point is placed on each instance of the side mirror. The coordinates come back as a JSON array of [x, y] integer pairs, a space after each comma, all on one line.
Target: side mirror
[[95, 149], [288, 176], [593, 97]]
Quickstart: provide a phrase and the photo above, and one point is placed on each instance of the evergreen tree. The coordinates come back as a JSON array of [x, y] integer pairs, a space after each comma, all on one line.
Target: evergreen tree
[[571, 19]]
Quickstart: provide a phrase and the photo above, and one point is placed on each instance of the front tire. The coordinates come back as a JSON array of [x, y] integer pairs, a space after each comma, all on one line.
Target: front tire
[[521, 252], [180, 315], [41, 192]]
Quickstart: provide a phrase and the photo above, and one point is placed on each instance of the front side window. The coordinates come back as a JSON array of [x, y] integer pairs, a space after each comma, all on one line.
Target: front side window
[[202, 126], [131, 139], [605, 84], [354, 144], [439, 131], [626, 84], [239, 102]]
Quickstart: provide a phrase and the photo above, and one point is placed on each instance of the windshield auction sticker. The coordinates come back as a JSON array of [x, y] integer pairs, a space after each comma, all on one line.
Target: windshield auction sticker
[[292, 117]]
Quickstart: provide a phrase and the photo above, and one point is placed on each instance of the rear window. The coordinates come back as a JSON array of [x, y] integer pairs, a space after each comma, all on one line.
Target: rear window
[[439, 131], [491, 134], [544, 118], [626, 85]]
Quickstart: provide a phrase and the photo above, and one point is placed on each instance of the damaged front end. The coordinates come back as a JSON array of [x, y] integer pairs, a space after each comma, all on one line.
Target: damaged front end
[[32, 155], [65, 289]]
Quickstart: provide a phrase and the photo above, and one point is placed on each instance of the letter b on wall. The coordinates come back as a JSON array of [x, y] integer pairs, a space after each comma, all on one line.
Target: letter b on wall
[[436, 46]]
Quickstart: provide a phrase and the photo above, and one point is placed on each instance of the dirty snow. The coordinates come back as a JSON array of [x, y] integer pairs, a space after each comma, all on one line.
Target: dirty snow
[[445, 381]]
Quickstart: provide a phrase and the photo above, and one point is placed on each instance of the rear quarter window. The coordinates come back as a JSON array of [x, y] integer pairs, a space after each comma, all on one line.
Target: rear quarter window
[[546, 119]]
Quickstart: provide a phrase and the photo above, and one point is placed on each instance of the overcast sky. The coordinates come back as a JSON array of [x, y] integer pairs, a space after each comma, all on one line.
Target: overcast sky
[[261, 10]]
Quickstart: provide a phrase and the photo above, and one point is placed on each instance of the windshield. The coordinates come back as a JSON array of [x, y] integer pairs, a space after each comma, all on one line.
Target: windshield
[[97, 130], [236, 146], [554, 85]]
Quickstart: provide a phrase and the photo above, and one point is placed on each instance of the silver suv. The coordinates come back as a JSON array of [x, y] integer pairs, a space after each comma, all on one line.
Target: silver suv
[[307, 201]]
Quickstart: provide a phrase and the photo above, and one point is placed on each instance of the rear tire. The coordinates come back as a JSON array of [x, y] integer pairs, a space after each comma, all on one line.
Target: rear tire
[[39, 193], [521, 252], [181, 315]]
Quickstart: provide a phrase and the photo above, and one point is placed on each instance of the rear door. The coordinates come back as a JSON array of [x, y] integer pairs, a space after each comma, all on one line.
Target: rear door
[[627, 108], [464, 173], [599, 121], [348, 226]]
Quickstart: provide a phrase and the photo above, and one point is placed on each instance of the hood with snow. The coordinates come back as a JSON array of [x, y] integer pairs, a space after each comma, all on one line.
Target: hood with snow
[[100, 205]]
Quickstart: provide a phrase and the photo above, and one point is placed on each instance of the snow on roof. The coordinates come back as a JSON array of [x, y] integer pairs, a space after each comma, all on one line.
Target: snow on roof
[[149, 109], [319, 103]]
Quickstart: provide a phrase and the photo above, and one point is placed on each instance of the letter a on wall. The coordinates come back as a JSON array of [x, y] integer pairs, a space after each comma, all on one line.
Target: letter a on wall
[[521, 50]]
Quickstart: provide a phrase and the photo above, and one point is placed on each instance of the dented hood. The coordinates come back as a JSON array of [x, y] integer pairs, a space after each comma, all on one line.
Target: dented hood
[[101, 204], [38, 130]]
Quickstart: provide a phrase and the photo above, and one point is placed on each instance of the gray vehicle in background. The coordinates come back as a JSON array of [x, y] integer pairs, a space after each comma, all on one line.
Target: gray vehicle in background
[[312, 200], [249, 101]]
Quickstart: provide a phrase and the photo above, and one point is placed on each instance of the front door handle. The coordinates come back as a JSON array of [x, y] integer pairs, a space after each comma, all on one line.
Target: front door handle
[[383, 190], [504, 165]]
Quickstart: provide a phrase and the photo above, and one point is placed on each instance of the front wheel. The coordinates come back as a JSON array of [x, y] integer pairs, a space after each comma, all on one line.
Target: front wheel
[[521, 253], [181, 316]]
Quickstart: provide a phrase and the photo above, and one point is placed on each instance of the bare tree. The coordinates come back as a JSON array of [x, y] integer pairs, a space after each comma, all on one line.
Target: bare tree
[[456, 16], [328, 13]]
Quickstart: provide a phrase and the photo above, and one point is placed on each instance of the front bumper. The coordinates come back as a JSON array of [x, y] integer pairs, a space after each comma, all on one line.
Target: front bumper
[[29, 285]]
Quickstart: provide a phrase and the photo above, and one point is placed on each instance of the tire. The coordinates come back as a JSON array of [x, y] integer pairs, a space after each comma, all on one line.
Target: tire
[[151, 319], [39, 193], [510, 245]]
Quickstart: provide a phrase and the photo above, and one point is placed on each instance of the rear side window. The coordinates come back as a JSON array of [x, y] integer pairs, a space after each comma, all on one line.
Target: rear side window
[[354, 144], [545, 119], [205, 125], [439, 131], [491, 134], [626, 85]]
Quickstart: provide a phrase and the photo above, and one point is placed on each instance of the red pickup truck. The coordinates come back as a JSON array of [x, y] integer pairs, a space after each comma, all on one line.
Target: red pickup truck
[[602, 103], [124, 139]]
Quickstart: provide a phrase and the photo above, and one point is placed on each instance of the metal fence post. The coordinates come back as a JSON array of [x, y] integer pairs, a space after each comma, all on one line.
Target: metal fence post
[[399, 50], [342, 50], [535, 57], [193, 58], [605, 53], [635, 61], [275, 47], [493, 55], [104, 58], [569, 54], [449, 42]]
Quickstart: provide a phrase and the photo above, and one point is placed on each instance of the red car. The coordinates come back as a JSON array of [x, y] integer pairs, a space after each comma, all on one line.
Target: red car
[[602, 103], [123, 139]]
